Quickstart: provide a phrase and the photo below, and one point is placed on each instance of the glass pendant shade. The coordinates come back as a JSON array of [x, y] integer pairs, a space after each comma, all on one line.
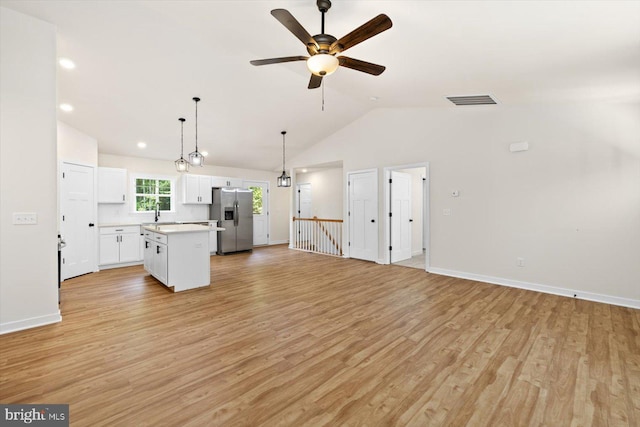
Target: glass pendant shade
[[322, 64], [181, 164], [196, 158], [284, 180]]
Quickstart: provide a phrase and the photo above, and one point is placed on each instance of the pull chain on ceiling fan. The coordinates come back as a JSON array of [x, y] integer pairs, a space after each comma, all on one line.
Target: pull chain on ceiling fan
[[324, 48]]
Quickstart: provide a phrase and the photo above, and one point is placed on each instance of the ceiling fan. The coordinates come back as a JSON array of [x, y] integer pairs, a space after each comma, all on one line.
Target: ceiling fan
[[324, 48]]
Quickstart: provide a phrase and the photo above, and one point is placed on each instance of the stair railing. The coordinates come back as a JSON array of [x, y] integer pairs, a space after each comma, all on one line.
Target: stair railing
[[322, 236]]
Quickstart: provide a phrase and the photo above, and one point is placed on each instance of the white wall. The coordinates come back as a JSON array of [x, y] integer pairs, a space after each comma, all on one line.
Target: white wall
[[122, 213], [570, 206], [28, 253], [76, 147], [326, 192]]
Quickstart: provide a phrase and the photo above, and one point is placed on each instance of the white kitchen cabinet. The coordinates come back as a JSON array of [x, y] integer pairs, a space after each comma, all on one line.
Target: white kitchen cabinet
[[224, 181], [160, 262], [196, 189], [119, 244], [148, 255], [213, 241], [112, 185]]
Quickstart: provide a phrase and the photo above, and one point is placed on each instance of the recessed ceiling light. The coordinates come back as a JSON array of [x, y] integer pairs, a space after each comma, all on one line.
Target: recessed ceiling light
[[374, 98], [204, 153], [304, 171], [67, 63], [142, 144], [66, 107]]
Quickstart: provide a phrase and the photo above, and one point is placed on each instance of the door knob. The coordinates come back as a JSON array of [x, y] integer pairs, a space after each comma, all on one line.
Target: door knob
[[373, 220], [91, 224]]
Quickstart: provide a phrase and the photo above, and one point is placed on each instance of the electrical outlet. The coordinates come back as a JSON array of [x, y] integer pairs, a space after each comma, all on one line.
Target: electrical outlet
[[25, 218], [520, 262]]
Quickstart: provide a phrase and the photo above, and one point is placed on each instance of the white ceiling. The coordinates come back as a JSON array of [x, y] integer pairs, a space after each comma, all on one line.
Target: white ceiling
[[140, 63]]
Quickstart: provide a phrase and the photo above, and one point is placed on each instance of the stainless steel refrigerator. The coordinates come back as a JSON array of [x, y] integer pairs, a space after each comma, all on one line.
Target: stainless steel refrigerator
[[233, 209]]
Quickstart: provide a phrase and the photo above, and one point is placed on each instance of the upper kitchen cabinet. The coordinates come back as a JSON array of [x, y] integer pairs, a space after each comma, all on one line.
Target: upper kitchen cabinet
[[196, 189], [112, 185], [223, 181]]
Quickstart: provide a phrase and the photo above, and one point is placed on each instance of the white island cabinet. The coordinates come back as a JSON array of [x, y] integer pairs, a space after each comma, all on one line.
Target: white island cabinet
[[178, 255]]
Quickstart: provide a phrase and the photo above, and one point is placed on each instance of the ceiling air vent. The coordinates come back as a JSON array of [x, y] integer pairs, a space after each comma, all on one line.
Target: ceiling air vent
[[472, 100]]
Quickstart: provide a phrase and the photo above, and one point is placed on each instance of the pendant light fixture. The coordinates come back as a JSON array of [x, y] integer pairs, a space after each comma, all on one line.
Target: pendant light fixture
[[196, 158], [284, 180], [181, 164]]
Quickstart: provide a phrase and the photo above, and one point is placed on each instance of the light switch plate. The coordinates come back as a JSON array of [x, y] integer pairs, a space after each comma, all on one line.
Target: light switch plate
[[25, 218]]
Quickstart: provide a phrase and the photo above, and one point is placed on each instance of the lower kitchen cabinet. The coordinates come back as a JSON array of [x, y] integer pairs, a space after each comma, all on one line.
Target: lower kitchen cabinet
[[119, 244]]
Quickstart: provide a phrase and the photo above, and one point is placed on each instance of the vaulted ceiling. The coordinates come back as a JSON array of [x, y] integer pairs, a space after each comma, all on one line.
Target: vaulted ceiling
[[140, 63]]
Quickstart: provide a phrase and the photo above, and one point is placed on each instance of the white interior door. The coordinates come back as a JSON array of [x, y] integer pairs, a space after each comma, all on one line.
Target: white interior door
[[400, 216], [77, 222], [363, 215], [304, 201], [260, 211]]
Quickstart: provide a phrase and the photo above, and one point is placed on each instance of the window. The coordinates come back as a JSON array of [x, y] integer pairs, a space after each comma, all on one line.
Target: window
[[153, 192], [257, 200]]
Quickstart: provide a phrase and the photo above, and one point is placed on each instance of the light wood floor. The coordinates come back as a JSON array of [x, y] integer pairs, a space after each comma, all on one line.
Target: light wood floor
[[291, 338]]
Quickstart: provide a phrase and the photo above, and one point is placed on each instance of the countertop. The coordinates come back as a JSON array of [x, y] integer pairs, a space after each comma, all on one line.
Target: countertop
[[124, 224], [180, 228]]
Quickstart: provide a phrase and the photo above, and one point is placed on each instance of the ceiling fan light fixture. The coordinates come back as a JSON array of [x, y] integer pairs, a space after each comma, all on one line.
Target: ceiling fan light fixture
[[322, 64]]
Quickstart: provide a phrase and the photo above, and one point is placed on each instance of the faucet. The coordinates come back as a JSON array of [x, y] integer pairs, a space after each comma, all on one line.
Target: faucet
[[157, 211]]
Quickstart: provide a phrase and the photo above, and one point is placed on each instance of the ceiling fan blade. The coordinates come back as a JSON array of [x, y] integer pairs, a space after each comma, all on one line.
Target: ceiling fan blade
[[277, 60], [358, 65], [375, 26], [293, 25], [315, 81]]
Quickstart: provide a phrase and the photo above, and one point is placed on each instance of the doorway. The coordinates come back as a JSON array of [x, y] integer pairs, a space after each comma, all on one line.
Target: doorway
[[77, 220], [260, 211], [407, 202], [303, 196], [363, 214]]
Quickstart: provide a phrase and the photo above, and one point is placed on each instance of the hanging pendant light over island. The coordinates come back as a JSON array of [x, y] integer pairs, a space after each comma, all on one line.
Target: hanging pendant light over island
[[196, 158], [181, 164]]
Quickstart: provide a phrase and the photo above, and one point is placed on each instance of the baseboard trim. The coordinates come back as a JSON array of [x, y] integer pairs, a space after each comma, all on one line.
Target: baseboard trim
[[34, 322], [124, 264], [571, 293], [278, 242]]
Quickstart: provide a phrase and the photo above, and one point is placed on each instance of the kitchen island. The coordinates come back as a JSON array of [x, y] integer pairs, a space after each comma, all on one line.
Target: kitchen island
[[177, 255]]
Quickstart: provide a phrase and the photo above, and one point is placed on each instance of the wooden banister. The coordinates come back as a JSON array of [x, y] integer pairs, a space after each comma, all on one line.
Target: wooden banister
[[318, 235]]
